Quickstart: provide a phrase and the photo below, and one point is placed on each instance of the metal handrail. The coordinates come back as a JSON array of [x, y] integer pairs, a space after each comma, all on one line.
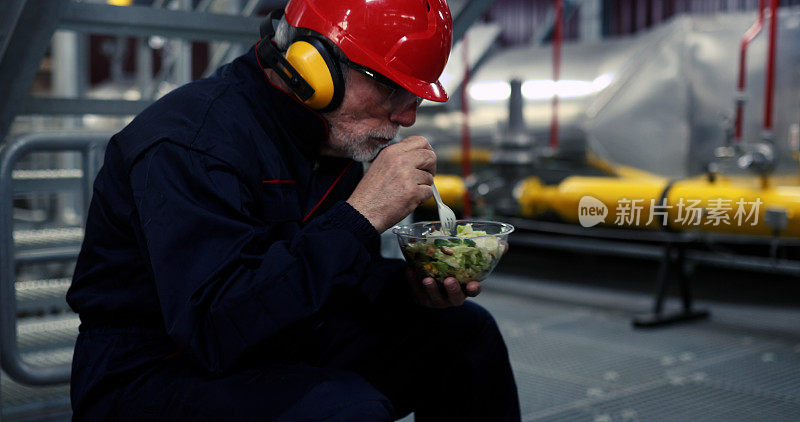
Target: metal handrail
[[90, 145]]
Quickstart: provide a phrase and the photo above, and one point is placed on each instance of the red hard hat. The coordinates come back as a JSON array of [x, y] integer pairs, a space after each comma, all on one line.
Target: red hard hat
[[408, 41]]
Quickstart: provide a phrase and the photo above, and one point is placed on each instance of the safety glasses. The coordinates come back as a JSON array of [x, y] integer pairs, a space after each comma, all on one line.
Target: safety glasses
[[397, 97]]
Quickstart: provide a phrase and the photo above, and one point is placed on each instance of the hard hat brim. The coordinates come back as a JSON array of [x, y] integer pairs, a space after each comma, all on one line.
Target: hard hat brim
[[423, 89], [433, 91]]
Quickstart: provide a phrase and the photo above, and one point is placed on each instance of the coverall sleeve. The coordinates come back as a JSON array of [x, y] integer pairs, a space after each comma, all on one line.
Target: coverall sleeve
[[225, 280]]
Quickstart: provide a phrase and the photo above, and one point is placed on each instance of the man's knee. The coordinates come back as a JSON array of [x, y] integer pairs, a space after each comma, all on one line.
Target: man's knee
[[486, 332], [481, 316], [343, 397], [474, 321], [364, 410]]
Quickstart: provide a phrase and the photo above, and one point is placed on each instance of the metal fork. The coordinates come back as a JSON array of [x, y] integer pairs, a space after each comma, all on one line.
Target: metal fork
[[446, 216]]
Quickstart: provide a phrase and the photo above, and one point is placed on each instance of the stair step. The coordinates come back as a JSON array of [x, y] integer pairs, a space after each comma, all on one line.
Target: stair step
[[48, 174], [48, 332], [30, 239], [51, 180], [42, 295], [22, 402], [51, 357]]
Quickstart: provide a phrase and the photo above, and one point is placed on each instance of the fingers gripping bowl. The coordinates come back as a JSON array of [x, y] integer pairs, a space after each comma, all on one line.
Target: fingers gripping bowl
[[470, 255]]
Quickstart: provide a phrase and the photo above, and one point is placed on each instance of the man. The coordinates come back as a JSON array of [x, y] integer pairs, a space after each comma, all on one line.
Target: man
[[230, 269]]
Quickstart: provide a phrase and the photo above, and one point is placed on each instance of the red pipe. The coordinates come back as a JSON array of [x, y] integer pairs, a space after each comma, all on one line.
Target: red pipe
[[751, 33], [466, 165], [557, 37], [769, 89]]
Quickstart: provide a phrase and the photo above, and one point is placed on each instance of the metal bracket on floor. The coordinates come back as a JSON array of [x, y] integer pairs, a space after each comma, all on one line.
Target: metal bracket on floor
[[672, 263]]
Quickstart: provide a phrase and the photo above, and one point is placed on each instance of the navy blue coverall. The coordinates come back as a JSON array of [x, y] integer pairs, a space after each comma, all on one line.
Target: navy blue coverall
[[223, 277]]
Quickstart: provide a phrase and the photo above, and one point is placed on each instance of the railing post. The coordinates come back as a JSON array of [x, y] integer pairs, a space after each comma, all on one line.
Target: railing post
[[87, 143]]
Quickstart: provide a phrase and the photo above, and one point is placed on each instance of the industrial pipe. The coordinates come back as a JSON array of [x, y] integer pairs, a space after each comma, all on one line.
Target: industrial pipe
[[698, 204], [557, 37], [769, 89], [748, 37], [466, 166]]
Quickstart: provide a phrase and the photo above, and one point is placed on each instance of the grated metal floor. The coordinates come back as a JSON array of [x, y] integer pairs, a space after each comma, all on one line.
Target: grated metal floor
[[577, 358]]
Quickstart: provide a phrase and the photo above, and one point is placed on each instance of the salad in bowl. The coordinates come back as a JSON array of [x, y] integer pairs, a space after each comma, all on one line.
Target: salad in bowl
[[469, 254]]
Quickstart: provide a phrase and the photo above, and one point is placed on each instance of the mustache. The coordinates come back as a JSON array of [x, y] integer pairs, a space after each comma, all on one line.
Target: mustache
[[384, 133]]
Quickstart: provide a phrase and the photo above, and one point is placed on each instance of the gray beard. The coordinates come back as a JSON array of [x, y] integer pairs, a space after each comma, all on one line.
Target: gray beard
[[359, 148]]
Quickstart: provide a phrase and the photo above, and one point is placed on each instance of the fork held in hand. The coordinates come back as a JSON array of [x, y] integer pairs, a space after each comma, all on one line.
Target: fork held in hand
[[446, 216]]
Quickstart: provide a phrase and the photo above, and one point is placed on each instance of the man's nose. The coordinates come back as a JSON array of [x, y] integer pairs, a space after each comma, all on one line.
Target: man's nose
[[405, 116]]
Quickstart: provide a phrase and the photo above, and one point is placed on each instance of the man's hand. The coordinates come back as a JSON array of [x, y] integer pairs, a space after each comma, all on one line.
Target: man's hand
[[427, 292], [397, 182]]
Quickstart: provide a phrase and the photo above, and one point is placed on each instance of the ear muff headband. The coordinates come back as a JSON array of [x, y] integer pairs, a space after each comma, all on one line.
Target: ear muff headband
[[269, 54], [308, 68]]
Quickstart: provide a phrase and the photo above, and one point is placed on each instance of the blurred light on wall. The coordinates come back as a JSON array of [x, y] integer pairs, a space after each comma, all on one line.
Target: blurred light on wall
[[445, 79], [490, 91], [540, 89], [156, 42], [543, 89], [132, 95], [602, 82]]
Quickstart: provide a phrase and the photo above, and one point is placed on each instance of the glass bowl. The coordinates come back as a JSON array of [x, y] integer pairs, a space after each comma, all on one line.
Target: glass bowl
[[467, 257]]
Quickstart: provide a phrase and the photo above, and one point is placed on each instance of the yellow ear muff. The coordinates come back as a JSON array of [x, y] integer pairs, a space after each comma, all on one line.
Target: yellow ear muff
[[311, 65]]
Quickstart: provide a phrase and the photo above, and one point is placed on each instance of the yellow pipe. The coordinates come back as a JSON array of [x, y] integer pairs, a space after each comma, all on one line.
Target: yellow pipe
[[735, 208], [732, 204], [563, 199], [719, 206], [619, 170], [451, 189], [455, 155]]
